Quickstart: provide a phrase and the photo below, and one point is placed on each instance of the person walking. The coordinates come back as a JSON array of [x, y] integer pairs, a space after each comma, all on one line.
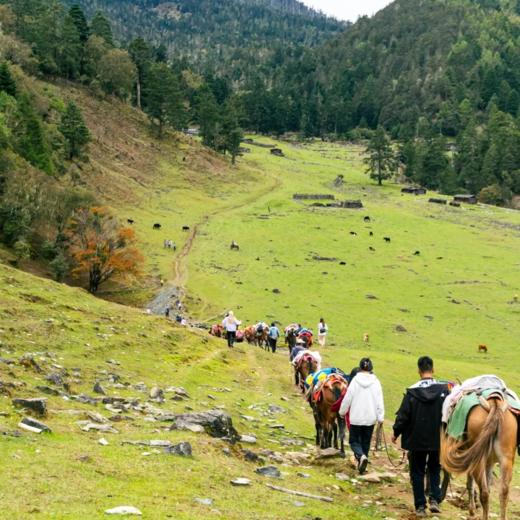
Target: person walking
[[418, 423], [365, 406], [230, 324], [323, 329], [273, 335]]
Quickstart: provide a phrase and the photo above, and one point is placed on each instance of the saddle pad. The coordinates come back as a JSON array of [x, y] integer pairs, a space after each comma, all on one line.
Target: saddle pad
[[459, 416]]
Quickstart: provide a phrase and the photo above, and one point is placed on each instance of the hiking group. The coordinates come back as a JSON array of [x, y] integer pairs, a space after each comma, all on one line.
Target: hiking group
[[458, 428]]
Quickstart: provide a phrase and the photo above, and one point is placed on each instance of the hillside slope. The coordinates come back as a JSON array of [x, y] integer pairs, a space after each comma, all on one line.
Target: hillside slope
[[232, 37]]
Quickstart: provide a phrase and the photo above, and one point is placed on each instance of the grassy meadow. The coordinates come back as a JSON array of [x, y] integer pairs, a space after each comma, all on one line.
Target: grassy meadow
[[457, 293]]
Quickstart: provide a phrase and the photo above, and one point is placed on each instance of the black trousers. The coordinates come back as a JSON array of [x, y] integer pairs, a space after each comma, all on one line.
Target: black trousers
[[420, 463], [359, 439], [231, 336], [272, 344]]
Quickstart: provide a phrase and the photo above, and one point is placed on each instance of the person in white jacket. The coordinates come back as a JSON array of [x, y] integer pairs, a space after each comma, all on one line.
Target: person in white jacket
[[365, 406]]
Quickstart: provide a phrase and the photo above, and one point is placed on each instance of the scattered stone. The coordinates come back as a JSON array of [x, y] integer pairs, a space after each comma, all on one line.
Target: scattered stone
[[32, 425], [55, 379], [103, 442], [248, 439], [269, 471], [157, 394], [370, 477], [47, 390], [86, 399], [180, 393], [183, 449], [297, 503], [96, 417], [124, 510], [328, 453], [105, 428], [277, 426], [36, 404], [400, 328], [241, 482], [251, 456], [204, 501], [98, 389], [303, 475], [214, 422], [342, 477], [371, 297], [140, 387], [273, 408]]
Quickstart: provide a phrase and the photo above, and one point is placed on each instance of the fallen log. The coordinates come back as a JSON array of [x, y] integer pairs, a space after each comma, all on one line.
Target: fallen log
[[299, 493]]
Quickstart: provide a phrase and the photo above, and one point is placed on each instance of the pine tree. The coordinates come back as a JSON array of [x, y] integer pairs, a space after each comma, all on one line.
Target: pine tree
[[73, 128], [163, 98], [71, 51], [141, 54], [100, 26], [207, 116], [7, 83], [231, 132], [80, 21], [381, 159]]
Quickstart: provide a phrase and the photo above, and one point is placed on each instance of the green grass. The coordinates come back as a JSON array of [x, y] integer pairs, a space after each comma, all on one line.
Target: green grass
[[456, 294]]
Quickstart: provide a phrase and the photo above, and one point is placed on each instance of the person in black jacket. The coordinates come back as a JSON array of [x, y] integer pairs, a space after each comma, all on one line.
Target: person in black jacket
[[418, 423]]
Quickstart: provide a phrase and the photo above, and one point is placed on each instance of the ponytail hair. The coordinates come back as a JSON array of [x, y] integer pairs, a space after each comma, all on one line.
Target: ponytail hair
[[366, 365]]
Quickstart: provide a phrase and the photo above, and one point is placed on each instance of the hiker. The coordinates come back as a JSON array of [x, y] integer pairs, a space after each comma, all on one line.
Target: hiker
[[167, 312], [322, 332], [418, 423], [273, 335], [230, 324], [364, 404]]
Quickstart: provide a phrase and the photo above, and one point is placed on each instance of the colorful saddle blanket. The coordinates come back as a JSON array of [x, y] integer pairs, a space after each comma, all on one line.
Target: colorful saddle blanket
[[458, 419]]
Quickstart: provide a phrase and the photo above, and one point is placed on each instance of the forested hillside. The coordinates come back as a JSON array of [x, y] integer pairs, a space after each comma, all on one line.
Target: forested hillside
[[232, 37]]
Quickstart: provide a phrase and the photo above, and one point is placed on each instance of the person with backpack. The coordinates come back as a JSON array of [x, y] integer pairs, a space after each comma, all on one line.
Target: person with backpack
[[231, 324], [272, 337], [418, 423], [364, 404], [323, 329]]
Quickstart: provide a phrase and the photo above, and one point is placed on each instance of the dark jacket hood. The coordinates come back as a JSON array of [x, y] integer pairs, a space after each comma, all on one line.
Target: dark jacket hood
[[430, 393]]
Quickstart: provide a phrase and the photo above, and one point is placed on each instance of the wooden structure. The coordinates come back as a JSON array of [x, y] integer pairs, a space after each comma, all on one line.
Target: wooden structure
[[437, 201], [303, 196], [414, 190], [467, 199]]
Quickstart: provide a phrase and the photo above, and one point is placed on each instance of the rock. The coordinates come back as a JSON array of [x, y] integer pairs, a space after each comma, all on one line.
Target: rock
[[214, 422], [327, 453], [250, 456], [32, 425], [87, 426], [98, 389], [277, 426], [55, 379], [36, 404], [96, 417], [103, 442], [400, 328], [157, 394], [204, 501], [140, 387], [297, 503], [180, 393], [269, 471], [370, 477], [249, 439], [47, 390], [86, 399], [124, 510], [342, 477], [241, 482], [273, 408], [183, 449], [303, 475]]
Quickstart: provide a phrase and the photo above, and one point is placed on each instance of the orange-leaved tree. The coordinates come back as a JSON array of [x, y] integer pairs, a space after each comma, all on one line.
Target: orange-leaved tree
[[101, 248]]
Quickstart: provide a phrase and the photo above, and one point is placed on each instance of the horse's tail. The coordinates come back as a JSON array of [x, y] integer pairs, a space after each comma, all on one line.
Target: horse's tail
[[458, 457]]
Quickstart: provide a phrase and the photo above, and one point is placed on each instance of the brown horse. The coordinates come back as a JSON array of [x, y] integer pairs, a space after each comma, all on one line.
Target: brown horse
[[306, 366], [327, 407], [217, 330], [250, 334], [492, 437]]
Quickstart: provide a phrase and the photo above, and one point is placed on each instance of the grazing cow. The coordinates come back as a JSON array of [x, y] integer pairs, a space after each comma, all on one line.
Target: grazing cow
[[157, 226], [483, 349], [367, 219], [387, 239], [185, 228], [417, 253], [366, 337], [130, 221], [371, 248], [234, 246], [371, 233], [353, 233]]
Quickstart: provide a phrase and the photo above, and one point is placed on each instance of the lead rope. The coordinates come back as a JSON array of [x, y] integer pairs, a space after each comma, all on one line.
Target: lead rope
[[401, 462]]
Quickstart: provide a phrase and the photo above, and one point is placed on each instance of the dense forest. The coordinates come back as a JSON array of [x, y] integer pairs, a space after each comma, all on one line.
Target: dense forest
[[237, 36]]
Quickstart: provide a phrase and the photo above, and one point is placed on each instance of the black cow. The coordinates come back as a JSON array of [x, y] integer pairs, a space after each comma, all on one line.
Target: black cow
[[157, 226], [353, 233], [371, 248], [387, 239], [371, 233], [417, 253], [234, 246], [130, 221], [367, 219], [185, 228]]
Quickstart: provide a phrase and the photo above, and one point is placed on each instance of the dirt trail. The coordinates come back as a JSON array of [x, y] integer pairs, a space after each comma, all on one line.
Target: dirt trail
[[176, 289]]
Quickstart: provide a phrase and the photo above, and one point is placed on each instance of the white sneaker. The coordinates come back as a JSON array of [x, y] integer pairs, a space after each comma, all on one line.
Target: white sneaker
[[363, 463]]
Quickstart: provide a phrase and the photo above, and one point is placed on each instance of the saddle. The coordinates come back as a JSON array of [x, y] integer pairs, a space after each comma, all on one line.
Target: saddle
[[328, 383]]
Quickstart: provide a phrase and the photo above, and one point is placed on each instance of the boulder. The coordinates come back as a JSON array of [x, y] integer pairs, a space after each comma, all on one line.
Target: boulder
[[204, 501], [216, 423], [183, 449], [241, 482], [269, 471], [248, 439], [36, 404], [33, 425], [98, 389], [156, 394], [55, 379]]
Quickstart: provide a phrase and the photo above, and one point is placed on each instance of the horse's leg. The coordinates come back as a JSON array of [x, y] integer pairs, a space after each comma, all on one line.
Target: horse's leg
[[484, 494], [471, 495], [506, 474], [335, 430], [342, 435]]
